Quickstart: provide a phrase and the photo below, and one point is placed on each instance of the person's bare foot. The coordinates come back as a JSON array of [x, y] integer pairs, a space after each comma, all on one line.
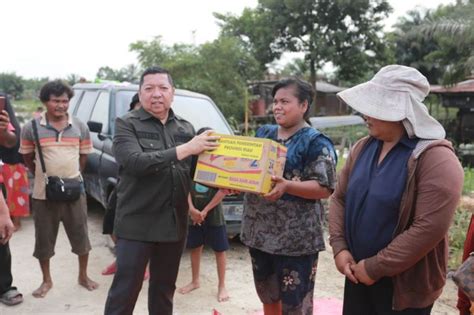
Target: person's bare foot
[[222, 295], [42, 290], [16, 223], [189, 287], [88, 283]]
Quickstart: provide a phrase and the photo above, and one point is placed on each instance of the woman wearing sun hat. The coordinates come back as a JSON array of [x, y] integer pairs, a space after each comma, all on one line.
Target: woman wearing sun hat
[[394, 200]]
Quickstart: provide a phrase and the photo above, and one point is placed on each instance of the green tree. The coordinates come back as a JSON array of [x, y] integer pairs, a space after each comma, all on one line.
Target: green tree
[[448, 35], [128, 73], [11, 84], [413, 48], [33, 86], [73, 78], [219, 69], [453, 27], [297, 67], [151, 52], [106, 73], [345, 33], [255, 29]]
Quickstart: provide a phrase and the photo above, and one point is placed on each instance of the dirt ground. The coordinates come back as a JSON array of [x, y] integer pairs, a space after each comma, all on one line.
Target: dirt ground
[[67, 297]]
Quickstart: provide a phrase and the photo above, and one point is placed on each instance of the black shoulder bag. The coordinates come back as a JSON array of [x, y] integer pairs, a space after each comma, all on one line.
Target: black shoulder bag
[[57, 188]]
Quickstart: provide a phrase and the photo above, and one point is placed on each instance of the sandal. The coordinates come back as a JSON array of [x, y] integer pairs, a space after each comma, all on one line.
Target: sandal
[[11, 297], [110, 269]]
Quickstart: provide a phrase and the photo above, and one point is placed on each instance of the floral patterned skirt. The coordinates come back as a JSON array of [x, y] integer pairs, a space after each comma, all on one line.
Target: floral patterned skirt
[[15, 179], [289, 279]]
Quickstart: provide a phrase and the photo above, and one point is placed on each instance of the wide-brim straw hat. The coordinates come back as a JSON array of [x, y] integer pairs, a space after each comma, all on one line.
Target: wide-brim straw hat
[[396, 93]]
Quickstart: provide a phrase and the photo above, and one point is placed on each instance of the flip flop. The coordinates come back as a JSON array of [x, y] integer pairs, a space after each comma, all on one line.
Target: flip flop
[[110, 269], [12, 297]]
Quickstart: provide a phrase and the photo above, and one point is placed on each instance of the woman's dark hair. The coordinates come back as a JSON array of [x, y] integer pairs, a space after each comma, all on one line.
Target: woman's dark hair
[[56, 88], [134, 101], [155, 70], [304, 91]]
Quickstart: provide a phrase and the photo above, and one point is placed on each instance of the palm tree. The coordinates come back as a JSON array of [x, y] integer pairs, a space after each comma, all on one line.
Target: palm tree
[[412, 48], [455, 25]]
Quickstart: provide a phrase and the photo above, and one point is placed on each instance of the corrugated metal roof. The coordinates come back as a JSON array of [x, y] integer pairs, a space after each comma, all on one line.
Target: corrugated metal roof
[[336, 121], [461, 87], [328, 88]]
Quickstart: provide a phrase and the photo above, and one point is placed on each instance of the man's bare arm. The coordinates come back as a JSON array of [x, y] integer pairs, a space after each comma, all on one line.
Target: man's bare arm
[[82, 161], [29, 161]]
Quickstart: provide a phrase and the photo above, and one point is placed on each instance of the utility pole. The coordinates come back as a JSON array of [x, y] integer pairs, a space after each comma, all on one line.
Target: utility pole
[[246, 111], [193, 37]]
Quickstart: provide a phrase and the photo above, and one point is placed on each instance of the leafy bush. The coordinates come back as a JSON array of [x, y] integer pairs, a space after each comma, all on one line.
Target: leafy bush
[[468, 187], [457, 235]]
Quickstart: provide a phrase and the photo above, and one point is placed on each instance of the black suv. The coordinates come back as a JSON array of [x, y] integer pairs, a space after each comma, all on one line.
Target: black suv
[[99, 104]]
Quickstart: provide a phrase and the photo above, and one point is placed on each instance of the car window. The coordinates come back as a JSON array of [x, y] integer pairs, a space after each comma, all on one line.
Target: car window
[[87, 103], [122, 102], [200, 112], [101, 111], [75, 100]]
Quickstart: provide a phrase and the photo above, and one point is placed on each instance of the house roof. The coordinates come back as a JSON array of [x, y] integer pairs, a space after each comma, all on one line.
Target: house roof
[[461, 87], [325, 87], [336, 121]]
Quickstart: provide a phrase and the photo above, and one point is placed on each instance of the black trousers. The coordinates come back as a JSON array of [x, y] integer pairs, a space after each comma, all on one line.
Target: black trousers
[[6, 278], [376, 299], [132, 258]]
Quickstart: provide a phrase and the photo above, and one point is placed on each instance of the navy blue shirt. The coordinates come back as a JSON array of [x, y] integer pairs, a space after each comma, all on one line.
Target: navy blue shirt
[[373, 197]]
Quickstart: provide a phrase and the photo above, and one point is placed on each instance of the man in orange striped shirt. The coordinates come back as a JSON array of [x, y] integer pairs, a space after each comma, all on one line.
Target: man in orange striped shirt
[[65, 143]]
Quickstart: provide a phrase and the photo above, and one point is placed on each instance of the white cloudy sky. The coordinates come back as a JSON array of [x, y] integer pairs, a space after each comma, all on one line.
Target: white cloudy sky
[[54, 38]]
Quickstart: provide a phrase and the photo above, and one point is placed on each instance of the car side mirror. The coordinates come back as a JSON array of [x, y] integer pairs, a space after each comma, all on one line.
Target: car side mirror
[[95, 126]]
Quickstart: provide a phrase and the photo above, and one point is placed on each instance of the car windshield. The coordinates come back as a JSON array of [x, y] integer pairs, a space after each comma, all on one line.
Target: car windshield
[[200, 112]]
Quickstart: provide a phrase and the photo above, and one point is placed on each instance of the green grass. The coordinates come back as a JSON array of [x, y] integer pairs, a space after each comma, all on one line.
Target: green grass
[[26, 106], [462, 217], [345, 135], [457, 235], [340, 162], [24, 109], [468, 187]]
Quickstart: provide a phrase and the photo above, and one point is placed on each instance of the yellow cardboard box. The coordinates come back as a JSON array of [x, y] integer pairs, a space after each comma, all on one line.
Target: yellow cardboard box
[[241, 163]]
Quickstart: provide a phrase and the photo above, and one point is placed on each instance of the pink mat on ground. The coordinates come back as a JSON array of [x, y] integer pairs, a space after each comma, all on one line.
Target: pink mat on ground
[[323, 306], [327, 306]]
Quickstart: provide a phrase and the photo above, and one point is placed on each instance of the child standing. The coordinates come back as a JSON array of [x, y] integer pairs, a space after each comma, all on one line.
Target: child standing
[[207, 226]]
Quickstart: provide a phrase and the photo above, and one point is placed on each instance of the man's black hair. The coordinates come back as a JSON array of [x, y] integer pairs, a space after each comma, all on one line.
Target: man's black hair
[[56, 88], [155, 70]]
